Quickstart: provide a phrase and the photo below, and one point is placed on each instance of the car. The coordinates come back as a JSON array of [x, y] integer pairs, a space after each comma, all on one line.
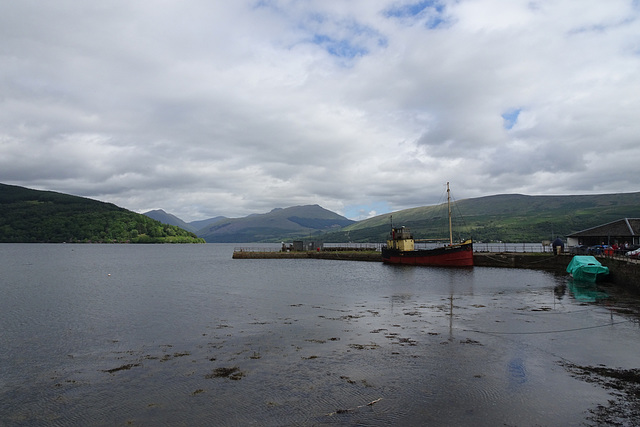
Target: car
[[633, 254], [579, 250], [597, 249]]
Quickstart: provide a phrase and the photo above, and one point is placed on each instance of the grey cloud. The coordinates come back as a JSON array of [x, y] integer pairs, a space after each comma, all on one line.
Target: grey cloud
[[206, 109]]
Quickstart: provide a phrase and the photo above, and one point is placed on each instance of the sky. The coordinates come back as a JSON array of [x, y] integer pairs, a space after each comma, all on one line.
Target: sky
[[205, 108]]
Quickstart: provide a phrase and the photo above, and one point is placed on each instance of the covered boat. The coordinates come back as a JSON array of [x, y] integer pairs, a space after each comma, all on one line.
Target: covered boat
[[586, 268], [400, 249]]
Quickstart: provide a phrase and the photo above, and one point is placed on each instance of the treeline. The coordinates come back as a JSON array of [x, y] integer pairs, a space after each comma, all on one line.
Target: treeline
[[32, 216]]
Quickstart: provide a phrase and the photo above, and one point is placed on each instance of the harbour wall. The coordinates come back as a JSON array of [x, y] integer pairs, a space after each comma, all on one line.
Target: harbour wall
[[623, 272], [537, 261], [372, 256]]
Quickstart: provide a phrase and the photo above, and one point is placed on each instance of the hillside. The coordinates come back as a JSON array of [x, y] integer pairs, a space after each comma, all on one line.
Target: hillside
[[279, 224], [28, 216], [506, 217], [199, 225], [167, 218]]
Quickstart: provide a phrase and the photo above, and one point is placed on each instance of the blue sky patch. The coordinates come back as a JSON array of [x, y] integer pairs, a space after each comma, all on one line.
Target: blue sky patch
[[511, 117], [360, 212], [340, 48], [341, 37], [413, 9], [432, 9], [354, 40]]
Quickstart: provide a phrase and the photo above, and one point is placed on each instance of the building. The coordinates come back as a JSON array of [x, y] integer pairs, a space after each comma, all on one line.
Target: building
[[625, 230]]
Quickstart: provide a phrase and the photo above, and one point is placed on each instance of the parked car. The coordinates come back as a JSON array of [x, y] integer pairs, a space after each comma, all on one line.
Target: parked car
[[633, 254], [579, 250], [597, 249]]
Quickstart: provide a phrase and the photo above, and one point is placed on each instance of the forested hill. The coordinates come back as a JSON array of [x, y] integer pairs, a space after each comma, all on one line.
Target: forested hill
[[504, 217], [30, 216]]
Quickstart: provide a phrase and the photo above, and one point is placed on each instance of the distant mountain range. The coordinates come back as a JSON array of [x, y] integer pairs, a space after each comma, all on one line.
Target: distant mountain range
[[28, 215], [167, 218], [278, 225], [504, 217]]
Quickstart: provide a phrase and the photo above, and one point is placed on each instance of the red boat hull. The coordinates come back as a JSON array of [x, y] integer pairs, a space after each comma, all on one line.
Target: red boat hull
[[447, 256]]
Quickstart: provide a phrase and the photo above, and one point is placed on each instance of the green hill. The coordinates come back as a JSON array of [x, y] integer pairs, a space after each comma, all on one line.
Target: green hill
[[203, 223], [28, 216], [167, 218], [279, 224], [507, 217], [193, 226]]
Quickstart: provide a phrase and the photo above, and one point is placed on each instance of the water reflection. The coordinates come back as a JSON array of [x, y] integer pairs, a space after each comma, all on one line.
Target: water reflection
[[314, 341], [517, 372], [560, 291], [585, 291]]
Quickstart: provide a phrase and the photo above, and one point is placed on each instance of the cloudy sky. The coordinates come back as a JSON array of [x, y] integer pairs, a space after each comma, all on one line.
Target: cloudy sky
[[206, 108]]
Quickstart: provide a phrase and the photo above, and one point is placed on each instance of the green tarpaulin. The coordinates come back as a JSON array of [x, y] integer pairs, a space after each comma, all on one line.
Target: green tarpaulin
[[586, 268]]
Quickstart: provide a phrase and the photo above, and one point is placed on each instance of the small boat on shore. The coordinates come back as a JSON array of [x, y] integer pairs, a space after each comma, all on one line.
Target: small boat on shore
[[400, 249], [586, 268]]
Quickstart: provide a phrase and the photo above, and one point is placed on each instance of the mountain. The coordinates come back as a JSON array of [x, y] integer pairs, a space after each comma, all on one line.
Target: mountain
[[28, 215], [504, 217], [280, 224], [167, 218], [199, 225], [193, 226]]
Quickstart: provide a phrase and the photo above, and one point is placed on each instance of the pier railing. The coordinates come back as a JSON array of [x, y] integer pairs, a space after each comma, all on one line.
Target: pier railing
[[511, 247], [477, 247], [332, 247], [256, 249]]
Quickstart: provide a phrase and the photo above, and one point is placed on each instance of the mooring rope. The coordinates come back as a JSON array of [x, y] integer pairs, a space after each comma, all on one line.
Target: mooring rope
[[498, 260], [546, 332], [510, 261], [539, 261]]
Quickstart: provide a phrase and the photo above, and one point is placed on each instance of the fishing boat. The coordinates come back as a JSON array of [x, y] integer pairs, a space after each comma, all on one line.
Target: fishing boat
[[401, 249], [586, 268]]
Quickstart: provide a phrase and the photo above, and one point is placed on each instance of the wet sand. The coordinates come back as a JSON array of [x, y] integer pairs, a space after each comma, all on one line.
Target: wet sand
[[449, 361]]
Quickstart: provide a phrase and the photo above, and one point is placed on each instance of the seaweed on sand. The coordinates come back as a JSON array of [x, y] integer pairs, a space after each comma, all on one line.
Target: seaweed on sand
[[121, 368], [233, 373], [625, 384]]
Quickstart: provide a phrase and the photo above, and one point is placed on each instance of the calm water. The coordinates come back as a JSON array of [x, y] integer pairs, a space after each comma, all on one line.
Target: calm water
[[185, 335]]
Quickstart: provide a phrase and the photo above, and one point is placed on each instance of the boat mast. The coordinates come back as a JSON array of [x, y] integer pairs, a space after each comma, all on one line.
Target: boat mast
[[449, 209]]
